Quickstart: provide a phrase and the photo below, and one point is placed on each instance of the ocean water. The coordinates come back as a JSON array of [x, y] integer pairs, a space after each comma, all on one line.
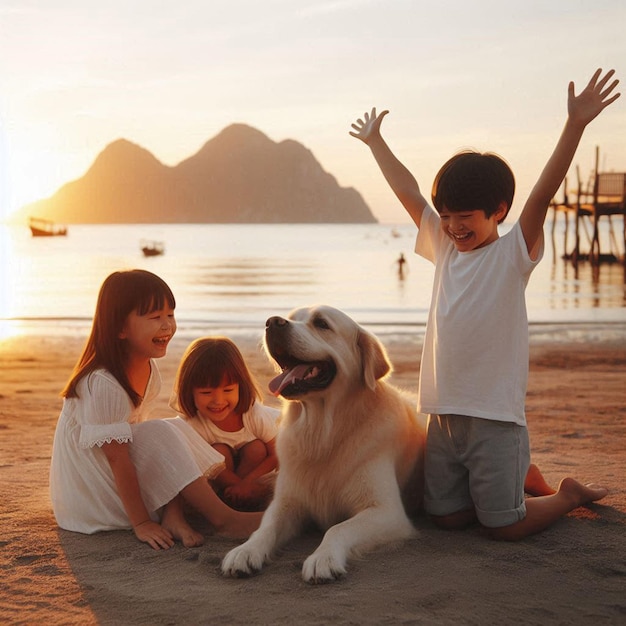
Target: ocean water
[[229, 277]]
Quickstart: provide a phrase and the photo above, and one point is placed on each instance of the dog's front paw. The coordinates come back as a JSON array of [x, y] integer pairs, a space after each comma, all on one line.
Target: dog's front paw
[[323, 568], [242, 561]]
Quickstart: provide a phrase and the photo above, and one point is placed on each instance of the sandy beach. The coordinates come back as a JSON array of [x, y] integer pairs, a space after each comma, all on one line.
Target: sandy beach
[[573, 573]]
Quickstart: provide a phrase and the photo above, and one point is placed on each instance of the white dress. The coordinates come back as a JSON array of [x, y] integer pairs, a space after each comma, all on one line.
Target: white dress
[[167, 453]]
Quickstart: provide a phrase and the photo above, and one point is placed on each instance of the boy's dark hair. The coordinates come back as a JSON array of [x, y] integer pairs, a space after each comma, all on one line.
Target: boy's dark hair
[[471, 181]]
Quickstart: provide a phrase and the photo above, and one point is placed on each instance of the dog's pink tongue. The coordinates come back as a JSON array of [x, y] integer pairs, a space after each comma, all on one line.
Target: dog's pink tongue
[[276, 385]]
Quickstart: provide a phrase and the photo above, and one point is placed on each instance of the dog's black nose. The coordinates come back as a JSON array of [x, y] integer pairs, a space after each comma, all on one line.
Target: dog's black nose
[[275, 321]]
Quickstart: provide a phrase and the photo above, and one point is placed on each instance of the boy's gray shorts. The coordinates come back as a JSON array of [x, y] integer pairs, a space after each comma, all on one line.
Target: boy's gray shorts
[[474, 463]]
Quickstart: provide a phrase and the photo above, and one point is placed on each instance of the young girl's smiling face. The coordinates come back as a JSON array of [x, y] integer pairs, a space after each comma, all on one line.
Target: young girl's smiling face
[[149, 335], [218, 404]]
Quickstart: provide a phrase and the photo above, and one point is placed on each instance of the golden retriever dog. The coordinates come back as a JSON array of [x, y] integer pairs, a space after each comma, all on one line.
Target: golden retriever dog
[[350, 447]]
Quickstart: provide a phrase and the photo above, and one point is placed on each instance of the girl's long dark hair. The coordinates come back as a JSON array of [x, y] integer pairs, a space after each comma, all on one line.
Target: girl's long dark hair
[[120, 294]]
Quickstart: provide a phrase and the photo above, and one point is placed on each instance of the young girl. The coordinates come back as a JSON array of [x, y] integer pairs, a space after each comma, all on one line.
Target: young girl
[[112, 469], [215, 392]]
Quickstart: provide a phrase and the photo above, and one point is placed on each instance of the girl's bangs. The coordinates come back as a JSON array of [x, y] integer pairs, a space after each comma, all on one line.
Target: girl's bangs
[[154, 300], [216, 375]]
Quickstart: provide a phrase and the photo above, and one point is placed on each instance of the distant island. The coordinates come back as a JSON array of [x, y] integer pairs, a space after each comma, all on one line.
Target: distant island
[[239, 176]]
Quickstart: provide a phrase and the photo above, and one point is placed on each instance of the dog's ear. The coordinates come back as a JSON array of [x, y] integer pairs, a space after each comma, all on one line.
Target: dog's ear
[[374, 358]]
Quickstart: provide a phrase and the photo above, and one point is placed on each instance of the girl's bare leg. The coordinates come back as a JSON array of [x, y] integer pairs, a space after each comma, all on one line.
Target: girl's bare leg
[[174, 520], [225, 521], [252, 455], [543, 511], [227, 452]]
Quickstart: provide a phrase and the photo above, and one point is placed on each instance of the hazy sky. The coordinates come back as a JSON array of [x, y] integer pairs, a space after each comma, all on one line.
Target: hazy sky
[[169, 76]]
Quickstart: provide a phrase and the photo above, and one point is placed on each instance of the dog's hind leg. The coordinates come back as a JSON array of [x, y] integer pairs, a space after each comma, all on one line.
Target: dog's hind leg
[[280, 523]]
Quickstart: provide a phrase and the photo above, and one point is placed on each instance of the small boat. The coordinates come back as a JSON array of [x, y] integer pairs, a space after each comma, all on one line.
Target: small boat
[[152, 248], [40, 227]]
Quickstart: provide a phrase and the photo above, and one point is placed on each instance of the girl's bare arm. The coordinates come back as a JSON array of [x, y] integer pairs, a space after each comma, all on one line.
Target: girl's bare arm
[[128, 489]]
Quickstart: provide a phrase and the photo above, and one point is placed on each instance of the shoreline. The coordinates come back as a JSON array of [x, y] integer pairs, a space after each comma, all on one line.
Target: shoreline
[[571, 573], [614, 327]]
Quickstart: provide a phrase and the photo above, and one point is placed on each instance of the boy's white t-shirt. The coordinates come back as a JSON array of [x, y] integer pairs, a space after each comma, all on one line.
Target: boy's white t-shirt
[[475, 354]]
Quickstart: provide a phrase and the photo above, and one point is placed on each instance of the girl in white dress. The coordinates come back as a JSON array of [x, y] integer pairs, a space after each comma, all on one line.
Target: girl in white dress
[[216, 393], [112, 468]]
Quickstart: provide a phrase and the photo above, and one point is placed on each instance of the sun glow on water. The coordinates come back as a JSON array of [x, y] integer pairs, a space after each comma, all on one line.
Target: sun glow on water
[[9, 329], [7, 261], [236, 276]]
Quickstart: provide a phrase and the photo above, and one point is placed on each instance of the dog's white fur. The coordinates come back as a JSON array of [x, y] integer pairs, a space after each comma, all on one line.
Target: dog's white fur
[[350, 455]]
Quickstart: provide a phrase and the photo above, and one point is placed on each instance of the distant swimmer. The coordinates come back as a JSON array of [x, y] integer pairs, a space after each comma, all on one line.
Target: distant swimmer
[[401, 262]]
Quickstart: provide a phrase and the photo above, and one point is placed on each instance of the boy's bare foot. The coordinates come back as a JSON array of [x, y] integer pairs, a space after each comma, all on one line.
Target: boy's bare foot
[[580, 494], [535, 484]]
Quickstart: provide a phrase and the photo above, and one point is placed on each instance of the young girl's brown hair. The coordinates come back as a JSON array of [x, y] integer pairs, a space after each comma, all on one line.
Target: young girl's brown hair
[[212, 362]]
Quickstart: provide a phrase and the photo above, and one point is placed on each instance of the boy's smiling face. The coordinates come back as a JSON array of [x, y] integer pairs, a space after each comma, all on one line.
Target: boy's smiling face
[[470, 230]]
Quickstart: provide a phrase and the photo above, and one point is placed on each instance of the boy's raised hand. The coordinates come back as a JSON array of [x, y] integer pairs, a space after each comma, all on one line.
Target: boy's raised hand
[[369, 126], [595, 97]]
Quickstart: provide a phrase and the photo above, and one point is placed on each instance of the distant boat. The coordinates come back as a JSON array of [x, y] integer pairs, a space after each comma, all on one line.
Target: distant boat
[[40, 227], [152, 248]]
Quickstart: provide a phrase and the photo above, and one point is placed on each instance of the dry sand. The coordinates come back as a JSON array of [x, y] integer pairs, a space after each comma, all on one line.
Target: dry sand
[[573, 573]]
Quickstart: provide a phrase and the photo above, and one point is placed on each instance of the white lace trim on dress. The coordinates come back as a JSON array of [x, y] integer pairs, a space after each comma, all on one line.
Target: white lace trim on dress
[[98, 434]]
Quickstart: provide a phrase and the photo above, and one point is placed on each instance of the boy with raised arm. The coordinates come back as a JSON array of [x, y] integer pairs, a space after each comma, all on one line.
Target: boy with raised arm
[[474, 366]]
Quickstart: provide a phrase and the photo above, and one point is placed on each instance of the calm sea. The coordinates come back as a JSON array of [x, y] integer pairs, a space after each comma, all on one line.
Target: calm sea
[[229, 277]]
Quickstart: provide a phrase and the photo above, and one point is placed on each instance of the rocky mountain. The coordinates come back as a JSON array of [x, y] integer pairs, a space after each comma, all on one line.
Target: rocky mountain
[[239, 176]]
